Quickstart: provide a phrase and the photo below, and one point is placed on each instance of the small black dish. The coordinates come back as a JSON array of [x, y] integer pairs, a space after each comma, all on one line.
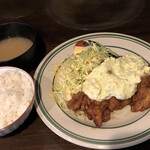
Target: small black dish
[[31, 58]]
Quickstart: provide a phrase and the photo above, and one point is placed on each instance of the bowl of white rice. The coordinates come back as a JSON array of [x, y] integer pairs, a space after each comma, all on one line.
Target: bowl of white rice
[[17, 91]]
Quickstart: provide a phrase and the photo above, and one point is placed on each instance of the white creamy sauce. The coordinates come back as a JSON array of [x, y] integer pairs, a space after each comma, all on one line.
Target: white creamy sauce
[[115, 77], [16, 92]]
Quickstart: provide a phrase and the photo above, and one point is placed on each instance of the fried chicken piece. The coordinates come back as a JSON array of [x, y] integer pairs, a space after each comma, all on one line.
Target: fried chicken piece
[[115, 104], [141, 99], [86, 102], [76, 101], [96, 111], [106, 115]]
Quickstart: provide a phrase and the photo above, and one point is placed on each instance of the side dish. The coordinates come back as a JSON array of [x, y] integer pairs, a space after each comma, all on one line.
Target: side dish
[[16, 95]]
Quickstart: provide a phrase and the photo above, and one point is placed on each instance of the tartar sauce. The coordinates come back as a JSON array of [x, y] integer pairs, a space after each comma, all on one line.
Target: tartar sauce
[[115, 77]]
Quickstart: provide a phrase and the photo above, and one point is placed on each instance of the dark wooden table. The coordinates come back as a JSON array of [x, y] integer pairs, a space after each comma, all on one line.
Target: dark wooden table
[[34, 134]]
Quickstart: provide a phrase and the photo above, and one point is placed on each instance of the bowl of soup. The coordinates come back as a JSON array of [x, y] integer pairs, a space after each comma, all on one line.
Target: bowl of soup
[[20, 46]]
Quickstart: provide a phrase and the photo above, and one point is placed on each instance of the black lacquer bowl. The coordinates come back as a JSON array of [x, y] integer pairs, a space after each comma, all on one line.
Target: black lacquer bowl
[[30, 59]]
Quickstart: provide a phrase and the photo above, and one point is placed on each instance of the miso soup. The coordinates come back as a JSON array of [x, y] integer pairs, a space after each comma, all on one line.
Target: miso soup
[[13, 47]]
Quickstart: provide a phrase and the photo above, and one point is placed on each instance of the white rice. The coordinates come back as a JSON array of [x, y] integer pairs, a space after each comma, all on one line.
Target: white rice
[[16, 93]]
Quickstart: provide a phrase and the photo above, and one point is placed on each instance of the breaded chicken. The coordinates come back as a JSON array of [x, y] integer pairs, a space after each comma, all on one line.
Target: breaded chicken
[[116, 104], [94, 110], [141, 99]]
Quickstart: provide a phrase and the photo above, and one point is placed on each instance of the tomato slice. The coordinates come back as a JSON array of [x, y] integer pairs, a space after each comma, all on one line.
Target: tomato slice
[[82, 44]]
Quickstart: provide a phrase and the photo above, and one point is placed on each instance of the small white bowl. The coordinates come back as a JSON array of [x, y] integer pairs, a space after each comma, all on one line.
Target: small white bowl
[[27, 109]]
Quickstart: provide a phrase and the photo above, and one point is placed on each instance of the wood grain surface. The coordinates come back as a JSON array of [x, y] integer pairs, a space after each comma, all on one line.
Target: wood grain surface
[[34, 134]]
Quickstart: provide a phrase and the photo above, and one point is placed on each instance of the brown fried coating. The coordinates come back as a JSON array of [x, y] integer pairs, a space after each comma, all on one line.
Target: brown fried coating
[[94, 113], [94, 110], [116, 104], [106, 115], [141, 99], [76, 101]]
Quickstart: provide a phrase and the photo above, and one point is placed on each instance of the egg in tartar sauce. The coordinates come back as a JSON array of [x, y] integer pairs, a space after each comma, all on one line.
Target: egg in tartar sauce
[[116, 77]]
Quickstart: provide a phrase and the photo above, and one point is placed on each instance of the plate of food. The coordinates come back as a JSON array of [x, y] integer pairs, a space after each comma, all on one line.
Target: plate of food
[[94, 90]]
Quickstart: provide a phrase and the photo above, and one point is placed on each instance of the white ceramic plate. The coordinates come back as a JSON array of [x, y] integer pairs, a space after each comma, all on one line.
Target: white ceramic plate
[[123, 130]]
